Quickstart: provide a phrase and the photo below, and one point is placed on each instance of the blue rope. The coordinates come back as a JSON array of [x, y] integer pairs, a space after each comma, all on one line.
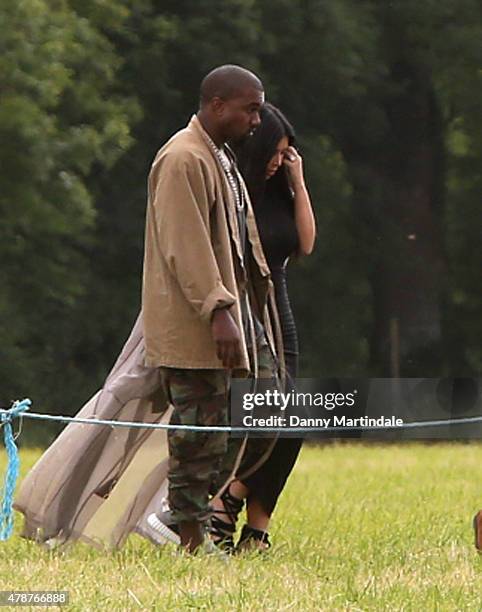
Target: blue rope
[[19, 407], [13, 466], [245, 429]]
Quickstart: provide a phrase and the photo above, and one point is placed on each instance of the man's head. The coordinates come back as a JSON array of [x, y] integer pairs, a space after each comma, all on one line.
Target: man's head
[[232, 96]]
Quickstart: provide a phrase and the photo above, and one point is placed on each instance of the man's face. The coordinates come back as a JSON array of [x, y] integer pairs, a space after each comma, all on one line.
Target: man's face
[[239, 116]]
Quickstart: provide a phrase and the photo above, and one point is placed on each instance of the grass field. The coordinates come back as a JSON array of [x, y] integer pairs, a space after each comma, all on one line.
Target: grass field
[[357, 528]]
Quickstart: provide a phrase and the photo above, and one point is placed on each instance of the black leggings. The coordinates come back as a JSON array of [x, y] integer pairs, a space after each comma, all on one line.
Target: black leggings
[[266, 484]]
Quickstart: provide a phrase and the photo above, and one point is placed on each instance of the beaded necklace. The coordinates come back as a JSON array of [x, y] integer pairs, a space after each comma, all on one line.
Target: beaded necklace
[[231, 172]]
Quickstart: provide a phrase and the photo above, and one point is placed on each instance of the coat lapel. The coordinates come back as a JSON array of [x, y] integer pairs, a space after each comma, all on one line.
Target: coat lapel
[[228, 196], [253, 234]]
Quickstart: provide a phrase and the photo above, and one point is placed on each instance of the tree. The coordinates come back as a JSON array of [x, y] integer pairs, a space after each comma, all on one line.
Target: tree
[[59, 116]]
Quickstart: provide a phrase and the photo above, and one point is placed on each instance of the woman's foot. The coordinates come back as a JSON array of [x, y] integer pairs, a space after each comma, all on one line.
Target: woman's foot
[[223, 522], [253, 539]]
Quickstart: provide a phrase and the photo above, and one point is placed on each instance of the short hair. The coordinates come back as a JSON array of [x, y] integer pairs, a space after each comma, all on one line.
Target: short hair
[[227, 82]]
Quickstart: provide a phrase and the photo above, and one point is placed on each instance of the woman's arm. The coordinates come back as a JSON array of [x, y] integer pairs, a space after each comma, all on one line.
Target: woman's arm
[[304, 217]]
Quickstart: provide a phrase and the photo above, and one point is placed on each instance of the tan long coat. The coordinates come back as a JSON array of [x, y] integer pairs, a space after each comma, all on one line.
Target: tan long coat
[[193, 258]]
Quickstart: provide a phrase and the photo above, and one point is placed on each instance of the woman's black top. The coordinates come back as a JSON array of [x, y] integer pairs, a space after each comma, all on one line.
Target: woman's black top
[[279, 238]]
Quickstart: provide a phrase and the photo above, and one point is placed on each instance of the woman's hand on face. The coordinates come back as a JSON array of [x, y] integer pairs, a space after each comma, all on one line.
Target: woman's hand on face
[[294, 163]]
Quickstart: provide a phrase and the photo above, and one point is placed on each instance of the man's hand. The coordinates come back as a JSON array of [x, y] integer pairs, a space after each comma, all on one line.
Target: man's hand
[[226, 335]]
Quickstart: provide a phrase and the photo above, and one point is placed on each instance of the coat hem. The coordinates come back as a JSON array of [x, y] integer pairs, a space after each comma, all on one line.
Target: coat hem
[[159, 362]]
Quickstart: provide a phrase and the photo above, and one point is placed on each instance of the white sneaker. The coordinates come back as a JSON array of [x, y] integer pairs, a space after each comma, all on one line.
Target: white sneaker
[[164, 528]]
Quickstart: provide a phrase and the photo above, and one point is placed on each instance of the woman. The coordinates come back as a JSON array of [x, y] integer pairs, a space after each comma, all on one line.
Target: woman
[[273, 171]]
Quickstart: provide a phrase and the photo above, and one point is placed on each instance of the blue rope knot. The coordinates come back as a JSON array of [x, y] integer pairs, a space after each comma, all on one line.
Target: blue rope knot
[[13, 465], [6, 416]]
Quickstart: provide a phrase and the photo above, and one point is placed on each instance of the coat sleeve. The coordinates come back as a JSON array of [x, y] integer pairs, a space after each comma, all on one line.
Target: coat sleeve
[[182, 206]]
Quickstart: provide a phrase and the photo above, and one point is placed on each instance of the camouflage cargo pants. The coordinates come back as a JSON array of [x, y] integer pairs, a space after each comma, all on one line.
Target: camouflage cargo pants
[[199, 461]]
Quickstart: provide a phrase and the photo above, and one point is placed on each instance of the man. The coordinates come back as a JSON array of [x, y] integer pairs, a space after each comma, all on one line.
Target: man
[[202, 260]]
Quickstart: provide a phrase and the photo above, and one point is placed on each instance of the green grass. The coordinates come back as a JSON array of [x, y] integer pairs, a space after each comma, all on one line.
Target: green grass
[[358, 527]]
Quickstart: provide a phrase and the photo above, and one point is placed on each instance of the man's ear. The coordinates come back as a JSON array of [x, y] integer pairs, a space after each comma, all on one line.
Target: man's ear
[[218, 105]]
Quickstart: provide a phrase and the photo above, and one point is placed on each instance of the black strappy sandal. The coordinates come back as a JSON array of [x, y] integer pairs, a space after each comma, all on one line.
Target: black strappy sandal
[[253, 539], [222, 531]]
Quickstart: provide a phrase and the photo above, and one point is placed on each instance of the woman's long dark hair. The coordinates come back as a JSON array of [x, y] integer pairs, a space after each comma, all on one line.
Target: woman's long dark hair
[[255, 152]]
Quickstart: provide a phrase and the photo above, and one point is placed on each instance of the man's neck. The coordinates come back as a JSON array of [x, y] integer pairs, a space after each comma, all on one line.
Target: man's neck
[[210, 128]]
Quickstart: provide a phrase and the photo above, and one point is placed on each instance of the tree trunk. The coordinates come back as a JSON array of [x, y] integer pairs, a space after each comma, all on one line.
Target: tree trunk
[[408, 275]]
